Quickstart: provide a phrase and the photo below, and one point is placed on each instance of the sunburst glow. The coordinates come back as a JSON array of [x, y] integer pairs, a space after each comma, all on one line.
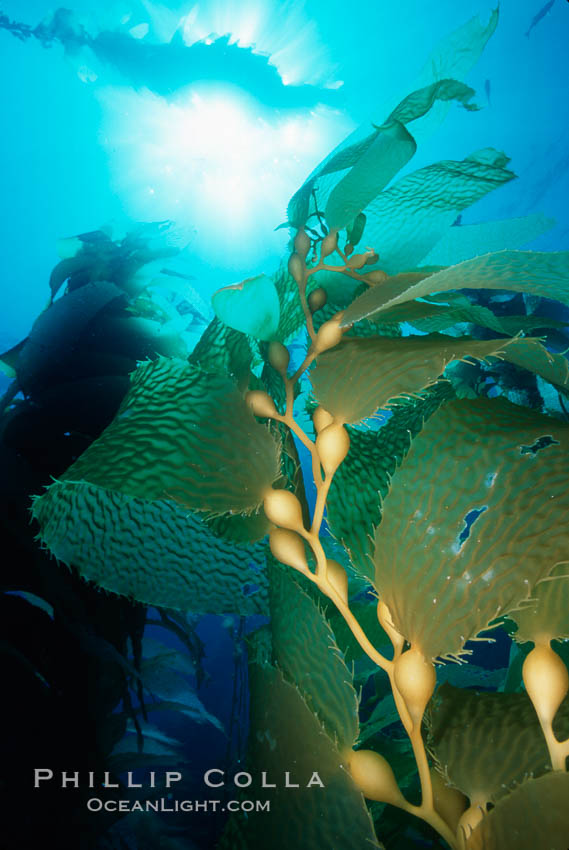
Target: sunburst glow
[[214, 161]]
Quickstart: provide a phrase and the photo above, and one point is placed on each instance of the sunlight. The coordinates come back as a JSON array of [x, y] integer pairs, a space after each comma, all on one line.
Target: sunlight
[[214, 161]]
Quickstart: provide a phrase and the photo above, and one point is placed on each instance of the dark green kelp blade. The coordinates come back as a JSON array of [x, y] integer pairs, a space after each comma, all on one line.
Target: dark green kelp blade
[[286, 735], [305, 649], [154, 552]]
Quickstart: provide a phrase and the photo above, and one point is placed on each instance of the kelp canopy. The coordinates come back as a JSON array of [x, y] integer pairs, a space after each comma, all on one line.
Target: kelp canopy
[[431, 526]]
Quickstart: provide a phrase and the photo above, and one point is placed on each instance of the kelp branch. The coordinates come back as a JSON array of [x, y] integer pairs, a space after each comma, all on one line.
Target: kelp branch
[[411, 675]]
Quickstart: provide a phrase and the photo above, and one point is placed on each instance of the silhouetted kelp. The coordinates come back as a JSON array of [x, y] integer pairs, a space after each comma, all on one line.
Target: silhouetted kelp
[[81, 675], [167, 68]]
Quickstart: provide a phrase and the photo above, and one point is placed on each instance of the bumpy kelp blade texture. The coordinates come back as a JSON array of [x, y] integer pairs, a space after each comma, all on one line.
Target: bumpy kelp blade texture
[[447, 550], [352, 380], [407, 220], [223, 351], [353, 506], [548, 617], [305, 649], [392, 148], [486, 743], [535, 815], [367, 161], [531, 272], [184, 435], [251, 307], [286, 735], [153, 552]]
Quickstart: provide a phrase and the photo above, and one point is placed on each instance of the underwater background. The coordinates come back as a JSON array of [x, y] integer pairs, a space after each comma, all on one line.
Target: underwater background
[[160, 143]]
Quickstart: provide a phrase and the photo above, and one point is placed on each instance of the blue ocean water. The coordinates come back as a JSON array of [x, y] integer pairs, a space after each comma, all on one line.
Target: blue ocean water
[[106, 135]]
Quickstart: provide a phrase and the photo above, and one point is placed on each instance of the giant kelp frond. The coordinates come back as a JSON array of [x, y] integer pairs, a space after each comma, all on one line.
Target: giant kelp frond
[[352, 380], [251, 307], [185, 435], [472, 240], [286, 735], [547, 618], [486, 743], [154, 552], [353, 505], [443, 311], [224, 351], [390, 150], [531, 272], [352, 175], [407, 220], [443, 580], [535, 815], [305, 649]]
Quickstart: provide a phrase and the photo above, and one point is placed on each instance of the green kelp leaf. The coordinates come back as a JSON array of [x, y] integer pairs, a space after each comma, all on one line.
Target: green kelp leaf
[[286, 735], [316, 190], [532, 355], [392, 148], [358, 376], [240, 528], [443, 577], [153, 552], [251, 307], [548, 616], [222, 350], [305, 649], [384, 714], [457, 53], [532, 272], [355, 231], [485, 743], [326, 175], [360, 329], [471, 240], [353, 507], [430, 316], [167, 686], [184, 435], [534, 815], [418, 103], [405, 221]]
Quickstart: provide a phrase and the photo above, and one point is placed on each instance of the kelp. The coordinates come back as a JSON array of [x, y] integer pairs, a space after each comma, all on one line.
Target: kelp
[[305, 649], [409, 218], [352, 380], [152, 551], [354, 509], [485, 744], [547, 617], [452, 509], [442, 594], [531, 272], [359, 170], [285, 732], [251, 306], [173, 438], [470, 240], [535, 815]]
